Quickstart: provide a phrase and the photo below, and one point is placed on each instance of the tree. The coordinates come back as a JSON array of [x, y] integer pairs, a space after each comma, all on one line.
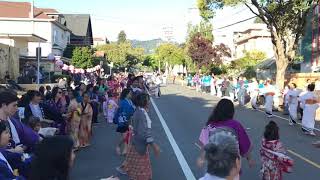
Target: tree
[[203, 53], [122, 55], [122, 37], [82, 57], [286, 21], [204, 28], [170, 53], [258, 20], [251, 59]]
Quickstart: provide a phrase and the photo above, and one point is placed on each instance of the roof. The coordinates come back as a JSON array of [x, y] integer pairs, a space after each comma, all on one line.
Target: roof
[[22, 10], [78, 23], [266, 64], [98, 39]]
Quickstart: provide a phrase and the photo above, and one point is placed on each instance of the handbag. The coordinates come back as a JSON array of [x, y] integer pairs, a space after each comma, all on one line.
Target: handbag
[[207, 131]]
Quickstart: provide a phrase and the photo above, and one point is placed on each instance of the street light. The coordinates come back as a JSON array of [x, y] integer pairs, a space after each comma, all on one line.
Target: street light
[[51, 57], [111, 66]]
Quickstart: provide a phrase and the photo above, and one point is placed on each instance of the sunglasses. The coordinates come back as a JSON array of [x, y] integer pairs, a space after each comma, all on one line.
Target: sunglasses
[[60, 92]]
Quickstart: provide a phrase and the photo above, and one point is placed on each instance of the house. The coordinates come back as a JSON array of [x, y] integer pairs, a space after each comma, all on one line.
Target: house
[[255, 37], [97, 41], [27, 27], [22, 24], [80, 25]]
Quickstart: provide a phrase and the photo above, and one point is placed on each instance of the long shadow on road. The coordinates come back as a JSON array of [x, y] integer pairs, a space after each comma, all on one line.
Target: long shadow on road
[[185, 112]]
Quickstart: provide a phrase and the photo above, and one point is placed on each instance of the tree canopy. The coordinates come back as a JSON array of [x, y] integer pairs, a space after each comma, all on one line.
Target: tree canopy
[[122, 37], [203, 53], [122, 55], [82, 57], [204, 28], [170, 53]]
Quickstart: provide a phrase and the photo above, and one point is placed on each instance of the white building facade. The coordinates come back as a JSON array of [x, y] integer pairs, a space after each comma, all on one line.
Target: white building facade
[[255, 37]]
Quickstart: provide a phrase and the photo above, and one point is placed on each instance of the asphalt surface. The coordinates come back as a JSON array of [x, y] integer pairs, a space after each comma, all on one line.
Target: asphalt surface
[[185, 112]]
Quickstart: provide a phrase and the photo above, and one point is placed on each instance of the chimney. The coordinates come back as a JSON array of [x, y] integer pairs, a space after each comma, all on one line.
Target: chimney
[[32, 10]]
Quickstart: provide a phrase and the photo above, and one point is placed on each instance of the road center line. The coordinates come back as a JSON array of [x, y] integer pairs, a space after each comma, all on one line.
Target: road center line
[[182, 161], [305, 159]]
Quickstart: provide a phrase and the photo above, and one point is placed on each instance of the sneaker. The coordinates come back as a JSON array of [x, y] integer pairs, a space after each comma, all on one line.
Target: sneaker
[[311, 133], [290, 123], [121, 171], [270, 116]]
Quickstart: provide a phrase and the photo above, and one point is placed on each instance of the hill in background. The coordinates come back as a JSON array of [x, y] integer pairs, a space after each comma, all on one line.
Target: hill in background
[[149, 46]]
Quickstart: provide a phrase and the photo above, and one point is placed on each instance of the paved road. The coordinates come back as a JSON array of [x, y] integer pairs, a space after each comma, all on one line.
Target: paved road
[[185, 112]]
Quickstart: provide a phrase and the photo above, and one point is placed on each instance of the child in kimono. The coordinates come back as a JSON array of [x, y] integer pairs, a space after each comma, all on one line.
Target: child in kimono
[[273, 158], [309, 104], [109, 107], [292, 100]]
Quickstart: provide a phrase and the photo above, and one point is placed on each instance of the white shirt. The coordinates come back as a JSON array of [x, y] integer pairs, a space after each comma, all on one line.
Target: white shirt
[[268, 89], [305, 96], [208, 176], [14, 132], [293, 93], [158, 80], [5, 160]]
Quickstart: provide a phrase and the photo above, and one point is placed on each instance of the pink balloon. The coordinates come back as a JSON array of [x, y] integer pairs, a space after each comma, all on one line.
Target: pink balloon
[[59, 62]]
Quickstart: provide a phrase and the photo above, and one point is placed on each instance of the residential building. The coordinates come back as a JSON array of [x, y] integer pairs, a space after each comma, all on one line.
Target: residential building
[[310, 43], [80, 25], [97, 41], [28, 27], [254, 37]]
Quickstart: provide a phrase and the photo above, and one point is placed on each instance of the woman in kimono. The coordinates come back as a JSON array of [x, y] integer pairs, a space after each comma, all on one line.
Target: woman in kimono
[[241, 93], [309, 105], [137, 164], [269, 92], [213, 90], [85, 121], [74, 112], [122, 118], [292, 98], [57, 110], [254, 91]]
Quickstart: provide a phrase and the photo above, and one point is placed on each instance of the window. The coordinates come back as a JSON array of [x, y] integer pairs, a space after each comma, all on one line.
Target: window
[[55, 36]]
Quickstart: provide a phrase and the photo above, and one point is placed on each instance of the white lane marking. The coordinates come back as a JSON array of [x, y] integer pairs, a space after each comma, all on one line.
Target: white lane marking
[[182, 161], [286, 119], [198, 146]]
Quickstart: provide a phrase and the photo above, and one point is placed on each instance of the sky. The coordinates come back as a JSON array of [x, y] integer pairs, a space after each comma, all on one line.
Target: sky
[[143, 19]]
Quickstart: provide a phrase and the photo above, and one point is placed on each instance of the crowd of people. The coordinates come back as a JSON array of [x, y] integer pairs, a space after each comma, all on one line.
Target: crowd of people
[[40, 131], [299, 104]]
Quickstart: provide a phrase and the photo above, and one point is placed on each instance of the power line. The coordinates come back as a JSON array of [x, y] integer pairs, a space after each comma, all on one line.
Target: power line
[[235, 23]]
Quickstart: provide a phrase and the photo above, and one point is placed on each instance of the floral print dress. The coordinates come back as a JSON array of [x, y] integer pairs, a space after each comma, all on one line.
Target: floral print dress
[[274, 161]]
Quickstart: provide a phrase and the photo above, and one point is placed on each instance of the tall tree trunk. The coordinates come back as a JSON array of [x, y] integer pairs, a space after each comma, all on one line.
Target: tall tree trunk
[[282, 61]]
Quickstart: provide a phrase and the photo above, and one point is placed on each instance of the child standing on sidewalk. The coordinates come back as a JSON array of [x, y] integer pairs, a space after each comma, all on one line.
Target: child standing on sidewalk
[[274, 160]]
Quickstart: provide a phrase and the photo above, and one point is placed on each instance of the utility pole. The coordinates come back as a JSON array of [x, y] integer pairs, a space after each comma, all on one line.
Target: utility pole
[[168, 33]]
